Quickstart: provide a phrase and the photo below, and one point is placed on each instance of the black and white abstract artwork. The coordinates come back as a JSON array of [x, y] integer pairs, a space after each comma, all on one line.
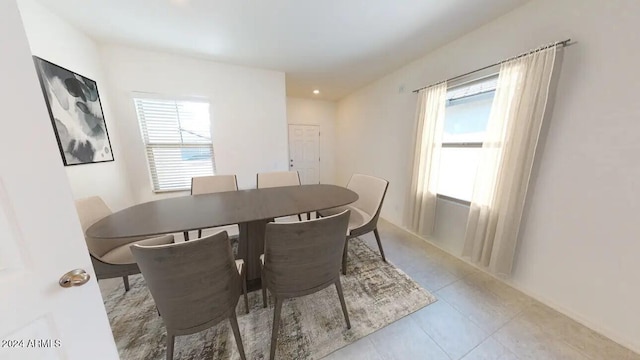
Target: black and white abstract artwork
[[76, 113]]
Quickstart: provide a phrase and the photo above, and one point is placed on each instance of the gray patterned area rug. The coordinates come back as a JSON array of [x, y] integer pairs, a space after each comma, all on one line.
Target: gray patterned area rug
[[312, 327]]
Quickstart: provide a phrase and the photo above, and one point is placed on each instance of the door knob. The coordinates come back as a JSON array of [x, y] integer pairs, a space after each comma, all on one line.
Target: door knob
[[76, 277]]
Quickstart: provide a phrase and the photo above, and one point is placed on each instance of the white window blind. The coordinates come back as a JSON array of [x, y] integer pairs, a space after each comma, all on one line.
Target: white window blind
[[177, 137], [475, 88]]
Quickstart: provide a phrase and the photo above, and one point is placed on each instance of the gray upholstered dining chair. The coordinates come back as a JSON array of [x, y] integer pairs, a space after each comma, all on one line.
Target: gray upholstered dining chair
[[277, 179], [111, 258], [194, 284], [364, 212], [212, 184], [301, 258]]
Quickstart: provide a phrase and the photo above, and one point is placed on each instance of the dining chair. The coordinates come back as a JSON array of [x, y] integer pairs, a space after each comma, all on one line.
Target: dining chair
[[301, 258], [364, 212], [277, 179], [209, 185], [111, 258], [194, 284]]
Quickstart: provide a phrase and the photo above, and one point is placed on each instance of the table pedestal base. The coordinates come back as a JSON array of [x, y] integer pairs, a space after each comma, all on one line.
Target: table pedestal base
[[250, 247], [253, 285]]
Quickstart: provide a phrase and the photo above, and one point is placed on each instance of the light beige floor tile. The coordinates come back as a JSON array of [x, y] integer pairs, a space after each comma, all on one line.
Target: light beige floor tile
[[455, 334], [435, 255], [531, 342], [587, 341], [481, 306], [403, 257], [491, 304], [434, 279], [403, 340], [362, 349], [490, 349], [504, 292], [413, 257], [419, 260], [453, 265]]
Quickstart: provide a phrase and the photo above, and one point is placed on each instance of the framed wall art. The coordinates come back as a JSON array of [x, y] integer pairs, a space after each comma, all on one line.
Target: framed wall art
[[76, 113]]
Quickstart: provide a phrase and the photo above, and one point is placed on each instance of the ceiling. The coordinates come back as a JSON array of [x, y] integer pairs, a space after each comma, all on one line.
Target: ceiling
[[336, 46]]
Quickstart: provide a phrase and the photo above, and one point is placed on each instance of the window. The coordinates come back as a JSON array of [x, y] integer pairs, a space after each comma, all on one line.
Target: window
[[466, 116], [177, 137]]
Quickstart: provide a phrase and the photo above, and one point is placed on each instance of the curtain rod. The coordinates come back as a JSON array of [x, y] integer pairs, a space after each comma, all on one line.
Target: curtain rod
[[563, 43]]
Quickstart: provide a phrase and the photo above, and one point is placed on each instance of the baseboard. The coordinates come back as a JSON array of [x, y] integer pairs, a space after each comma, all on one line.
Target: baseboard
[[604, 331]]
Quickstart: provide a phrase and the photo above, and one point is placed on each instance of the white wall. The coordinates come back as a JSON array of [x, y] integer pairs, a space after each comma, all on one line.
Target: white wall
[[54, 40], [579, 245], [324, 114], [248, 111]]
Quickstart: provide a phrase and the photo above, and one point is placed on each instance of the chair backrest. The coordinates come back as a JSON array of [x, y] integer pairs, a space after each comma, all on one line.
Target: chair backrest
[[91, 210], [371, 191], [304, 257], [194, 284], [213, 184], [278, 178]]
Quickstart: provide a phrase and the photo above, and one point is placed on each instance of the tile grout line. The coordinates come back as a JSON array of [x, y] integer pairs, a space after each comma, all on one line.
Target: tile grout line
[[480, 326], [468, 319], [432, 339], [476, 270], [505, 324]]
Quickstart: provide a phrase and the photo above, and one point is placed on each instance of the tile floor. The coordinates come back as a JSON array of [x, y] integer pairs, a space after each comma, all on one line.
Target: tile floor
[[476, 316]]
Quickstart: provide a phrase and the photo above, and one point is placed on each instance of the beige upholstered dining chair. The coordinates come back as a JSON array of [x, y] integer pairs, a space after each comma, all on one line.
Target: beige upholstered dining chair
[[301, 258], [212, 184], [111, 258], [194, 284], [277, 179], [364, 212]]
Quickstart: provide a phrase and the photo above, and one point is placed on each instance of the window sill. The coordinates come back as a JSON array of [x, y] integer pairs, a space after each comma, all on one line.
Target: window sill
[[454, 200], [171, 191]]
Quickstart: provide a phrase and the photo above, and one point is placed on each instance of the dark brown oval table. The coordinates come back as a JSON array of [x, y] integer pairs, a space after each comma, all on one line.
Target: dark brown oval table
[[250, 209]]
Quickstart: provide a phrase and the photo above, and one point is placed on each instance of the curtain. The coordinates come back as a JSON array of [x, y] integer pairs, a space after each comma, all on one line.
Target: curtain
[[506, 161], [421, 204]]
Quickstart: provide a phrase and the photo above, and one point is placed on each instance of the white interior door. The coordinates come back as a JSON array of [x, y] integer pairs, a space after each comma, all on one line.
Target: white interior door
[[40, 235], [304, 152]]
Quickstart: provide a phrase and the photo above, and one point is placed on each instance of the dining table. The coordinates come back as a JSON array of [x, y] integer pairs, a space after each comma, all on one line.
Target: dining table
[[251, 209]]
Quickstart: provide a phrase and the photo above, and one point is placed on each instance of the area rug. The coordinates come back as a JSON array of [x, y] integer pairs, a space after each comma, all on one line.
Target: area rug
[[376, 294]]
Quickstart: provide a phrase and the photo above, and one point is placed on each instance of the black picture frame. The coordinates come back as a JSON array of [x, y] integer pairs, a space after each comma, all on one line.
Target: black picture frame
[[76, 114]]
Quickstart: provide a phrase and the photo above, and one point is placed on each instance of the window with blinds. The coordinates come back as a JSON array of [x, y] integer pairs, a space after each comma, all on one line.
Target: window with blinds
[[177, 137]]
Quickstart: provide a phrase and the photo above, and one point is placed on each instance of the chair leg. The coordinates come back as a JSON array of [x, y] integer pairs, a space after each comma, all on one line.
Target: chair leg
[[342, 303], [344, 257], [276, 325], [125, 279], [299, 217], [308, 216], [170, 340], [236, 333], [375, 232], [186, 235], [199, 233], [264, 289], [244, 288]]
